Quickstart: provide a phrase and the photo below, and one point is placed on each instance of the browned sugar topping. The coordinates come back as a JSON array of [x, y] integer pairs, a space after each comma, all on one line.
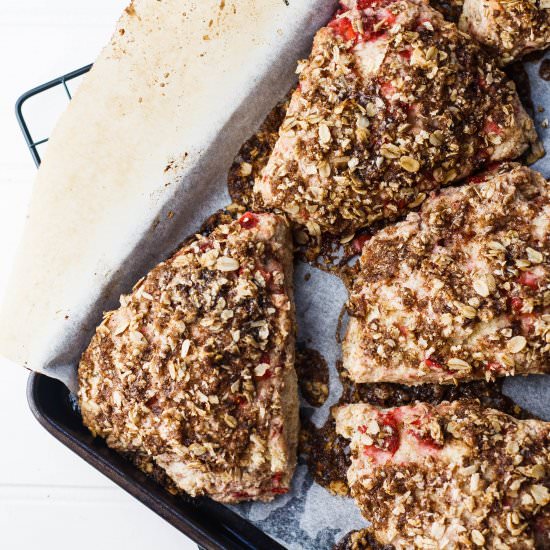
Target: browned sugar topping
[[461, 476], [510, 28], [253, 156], [313, 376], [461, 290], [390, 105], [192, 363]]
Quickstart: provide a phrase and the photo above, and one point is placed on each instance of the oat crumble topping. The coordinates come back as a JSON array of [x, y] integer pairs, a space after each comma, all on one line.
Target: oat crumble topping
[[460, 290], [194, 372], [393, 102], [452, 476], [253, 156], [509, 28]]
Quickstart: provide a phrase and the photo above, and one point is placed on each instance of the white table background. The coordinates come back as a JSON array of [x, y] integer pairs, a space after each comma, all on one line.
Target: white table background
[[49, 498]]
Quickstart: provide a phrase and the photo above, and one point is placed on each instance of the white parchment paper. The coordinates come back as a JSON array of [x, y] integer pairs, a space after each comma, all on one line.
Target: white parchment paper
[[140, 157], [135, 165]]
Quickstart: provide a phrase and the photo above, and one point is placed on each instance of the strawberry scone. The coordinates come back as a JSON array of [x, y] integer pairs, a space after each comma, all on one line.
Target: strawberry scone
[[195, 370], [393, 102], [508, 28], [451, 476], [459, 290]]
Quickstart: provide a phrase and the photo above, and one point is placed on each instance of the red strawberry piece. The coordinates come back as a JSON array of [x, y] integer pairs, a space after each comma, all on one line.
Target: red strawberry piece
[[359, 242], [406, 54], [343, 27], [477, 179], [248, 220], [423, 438], [517, 304], [364, 4], [387, 439], [492, 127], [528, 278], [433, 364], [387, 89]]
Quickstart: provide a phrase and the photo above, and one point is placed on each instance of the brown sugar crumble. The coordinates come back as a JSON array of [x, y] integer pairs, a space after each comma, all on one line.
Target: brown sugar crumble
[[253, 156], [456, 475], [194, 373], [508, 29], [393, 102], [313, 375], [458, 291]]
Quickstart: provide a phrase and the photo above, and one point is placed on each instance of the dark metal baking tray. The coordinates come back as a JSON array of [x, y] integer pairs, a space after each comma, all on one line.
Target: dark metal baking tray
[[212, 525]]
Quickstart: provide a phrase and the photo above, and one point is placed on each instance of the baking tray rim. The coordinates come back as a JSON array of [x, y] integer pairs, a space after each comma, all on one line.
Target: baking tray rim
[[206, 538]]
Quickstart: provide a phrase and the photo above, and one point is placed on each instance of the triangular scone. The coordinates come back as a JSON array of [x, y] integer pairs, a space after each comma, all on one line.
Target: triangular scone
[[196, 368], [393, 102], [453, 476], [458, 291], [509, 28]]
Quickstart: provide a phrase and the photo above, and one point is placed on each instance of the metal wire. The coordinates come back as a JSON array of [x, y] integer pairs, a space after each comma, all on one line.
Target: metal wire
[[60, 81]]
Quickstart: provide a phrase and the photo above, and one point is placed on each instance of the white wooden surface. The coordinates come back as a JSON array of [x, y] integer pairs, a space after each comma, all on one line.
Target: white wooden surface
[[49, 498]]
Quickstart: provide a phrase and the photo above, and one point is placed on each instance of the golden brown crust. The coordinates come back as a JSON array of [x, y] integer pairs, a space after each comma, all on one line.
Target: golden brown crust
[[452, 476], [460, 290], [392, 103], [195, 370]]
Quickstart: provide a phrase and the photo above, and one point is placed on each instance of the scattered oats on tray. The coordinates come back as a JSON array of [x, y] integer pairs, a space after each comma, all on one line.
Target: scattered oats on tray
[[459, 290], [509, 28], [456, 475], [196, 368], [393, 102]]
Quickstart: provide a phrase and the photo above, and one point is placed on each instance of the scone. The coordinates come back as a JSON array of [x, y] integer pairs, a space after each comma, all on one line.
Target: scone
[[458, 291], [393, 102], [452, 476], [509, 28], [196, 368]]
